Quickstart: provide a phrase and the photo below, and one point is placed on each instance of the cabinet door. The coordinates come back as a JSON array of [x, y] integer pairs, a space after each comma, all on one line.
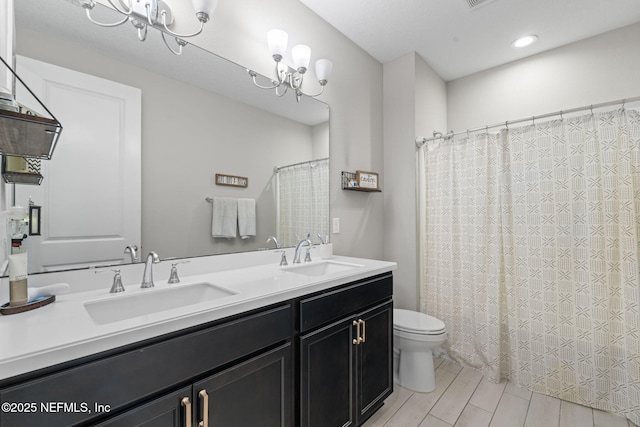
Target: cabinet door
[[327, 395], [375, 359], [253, 393], [166, 411]]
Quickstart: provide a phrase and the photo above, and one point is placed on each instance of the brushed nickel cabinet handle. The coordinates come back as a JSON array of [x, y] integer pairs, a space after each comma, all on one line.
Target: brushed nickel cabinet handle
[[364, 331], [205, 408], [357, 340], [186, 404]]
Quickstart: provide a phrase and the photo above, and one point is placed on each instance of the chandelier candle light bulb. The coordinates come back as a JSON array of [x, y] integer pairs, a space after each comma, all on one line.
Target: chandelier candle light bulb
[[292, 77]]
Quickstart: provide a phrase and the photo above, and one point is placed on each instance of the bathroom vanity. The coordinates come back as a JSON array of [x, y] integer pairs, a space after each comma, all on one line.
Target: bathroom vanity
[[307, 345]]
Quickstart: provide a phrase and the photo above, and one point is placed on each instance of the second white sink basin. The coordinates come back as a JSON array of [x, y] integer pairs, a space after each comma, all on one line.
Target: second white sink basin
[[321, 268], [127, 306]]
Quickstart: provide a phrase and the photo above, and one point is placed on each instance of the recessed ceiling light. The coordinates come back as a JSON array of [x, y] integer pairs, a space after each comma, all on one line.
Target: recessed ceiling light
[[525, 41]]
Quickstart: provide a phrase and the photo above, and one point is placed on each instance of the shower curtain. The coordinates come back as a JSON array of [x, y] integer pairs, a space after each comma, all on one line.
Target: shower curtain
[[302, 201], [530, 255]]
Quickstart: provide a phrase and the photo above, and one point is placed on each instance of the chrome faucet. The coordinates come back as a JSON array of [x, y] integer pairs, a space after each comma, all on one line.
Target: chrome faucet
[[147, 277], [133, 250], [296, 255], [274, 240]]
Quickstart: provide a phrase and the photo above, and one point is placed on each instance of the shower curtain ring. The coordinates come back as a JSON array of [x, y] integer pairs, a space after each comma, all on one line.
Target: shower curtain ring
[[591, 108]]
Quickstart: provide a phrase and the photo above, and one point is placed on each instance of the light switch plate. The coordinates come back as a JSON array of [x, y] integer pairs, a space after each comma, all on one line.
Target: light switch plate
[[336, 225]]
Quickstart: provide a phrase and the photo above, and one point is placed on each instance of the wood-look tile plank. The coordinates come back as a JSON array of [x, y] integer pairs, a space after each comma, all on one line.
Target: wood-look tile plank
[[431, 421], [573, 415], [544, 411], [487, 395], [472, 416], [453, 401], [391, 405], [416, 408], [522, 393], [451, 366], [607, 419], [511, 411]]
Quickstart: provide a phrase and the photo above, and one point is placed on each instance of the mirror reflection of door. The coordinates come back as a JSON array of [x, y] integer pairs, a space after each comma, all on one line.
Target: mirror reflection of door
[[90, 195]]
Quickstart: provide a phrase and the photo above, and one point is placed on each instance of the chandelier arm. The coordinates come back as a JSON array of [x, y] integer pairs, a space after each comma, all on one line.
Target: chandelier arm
[[317, 94], [148, 8], [115, 24], [293, 78], [180, 45], [253, 75], [142, 37], [286, 87], [124, 6], [164, 24]]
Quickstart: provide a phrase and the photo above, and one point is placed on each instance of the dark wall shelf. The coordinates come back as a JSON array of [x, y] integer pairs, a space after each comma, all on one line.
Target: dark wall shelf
[[350, 177]]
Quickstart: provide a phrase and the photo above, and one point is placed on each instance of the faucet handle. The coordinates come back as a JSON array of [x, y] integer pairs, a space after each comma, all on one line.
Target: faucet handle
[[283, 258], [173, 276], [117, 286], [307, 257]]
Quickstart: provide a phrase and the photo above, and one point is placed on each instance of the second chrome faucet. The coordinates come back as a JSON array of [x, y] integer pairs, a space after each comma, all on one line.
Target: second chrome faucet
[[147, 276]]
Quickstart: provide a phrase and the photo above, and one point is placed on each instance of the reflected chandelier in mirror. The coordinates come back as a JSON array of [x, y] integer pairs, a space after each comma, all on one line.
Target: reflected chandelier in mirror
[[155, 13]]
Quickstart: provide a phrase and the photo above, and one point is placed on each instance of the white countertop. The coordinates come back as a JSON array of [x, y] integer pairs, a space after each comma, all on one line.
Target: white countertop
[[64, 331]]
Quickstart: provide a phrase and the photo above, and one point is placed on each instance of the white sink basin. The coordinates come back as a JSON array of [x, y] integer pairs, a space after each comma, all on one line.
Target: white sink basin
[[127, 306], [321, 268]]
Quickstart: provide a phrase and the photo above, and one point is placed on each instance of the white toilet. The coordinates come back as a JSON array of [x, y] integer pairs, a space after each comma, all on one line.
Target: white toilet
[[415, 335]]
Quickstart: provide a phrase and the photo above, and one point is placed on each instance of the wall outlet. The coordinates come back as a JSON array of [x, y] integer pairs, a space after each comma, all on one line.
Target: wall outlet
[[336, 225]]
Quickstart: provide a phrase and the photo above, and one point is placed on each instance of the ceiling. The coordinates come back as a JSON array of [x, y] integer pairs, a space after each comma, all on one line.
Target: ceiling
[[457, 40]]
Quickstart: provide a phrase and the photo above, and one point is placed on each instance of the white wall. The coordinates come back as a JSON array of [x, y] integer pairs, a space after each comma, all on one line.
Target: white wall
[[599, 69]]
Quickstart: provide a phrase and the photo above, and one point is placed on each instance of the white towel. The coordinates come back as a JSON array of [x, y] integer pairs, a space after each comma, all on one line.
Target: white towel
[[247, 218], [225, 217]]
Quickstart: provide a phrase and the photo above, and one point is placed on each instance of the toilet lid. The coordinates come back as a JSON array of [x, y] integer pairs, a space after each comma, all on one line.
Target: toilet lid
[[416, 323]]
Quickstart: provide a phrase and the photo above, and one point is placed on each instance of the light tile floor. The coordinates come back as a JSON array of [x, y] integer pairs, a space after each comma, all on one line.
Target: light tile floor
[[463, 398]]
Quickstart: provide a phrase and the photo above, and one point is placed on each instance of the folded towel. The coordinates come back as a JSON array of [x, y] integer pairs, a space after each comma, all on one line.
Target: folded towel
[[225, 217], [247, 218]]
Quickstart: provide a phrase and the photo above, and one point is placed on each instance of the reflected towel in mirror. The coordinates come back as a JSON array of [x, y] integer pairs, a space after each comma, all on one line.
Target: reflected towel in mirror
[[247, 218], [224, 217]]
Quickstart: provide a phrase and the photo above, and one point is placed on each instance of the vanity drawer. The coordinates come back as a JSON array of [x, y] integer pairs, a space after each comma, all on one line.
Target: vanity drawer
[[144, 372], [324, 308]]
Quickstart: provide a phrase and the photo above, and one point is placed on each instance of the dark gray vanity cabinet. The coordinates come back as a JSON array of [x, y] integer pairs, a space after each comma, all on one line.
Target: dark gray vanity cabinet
[[321, 360], [146, 382], [253, 393], [346, 354]]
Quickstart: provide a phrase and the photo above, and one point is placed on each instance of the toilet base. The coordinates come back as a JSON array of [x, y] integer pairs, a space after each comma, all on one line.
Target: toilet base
[[416, 371]]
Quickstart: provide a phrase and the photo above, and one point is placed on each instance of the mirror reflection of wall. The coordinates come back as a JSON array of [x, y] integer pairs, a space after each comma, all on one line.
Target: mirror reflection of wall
[[188, 135]]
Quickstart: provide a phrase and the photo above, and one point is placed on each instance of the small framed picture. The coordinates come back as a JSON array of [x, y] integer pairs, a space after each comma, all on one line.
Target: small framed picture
[[368, 180], [231, 180]]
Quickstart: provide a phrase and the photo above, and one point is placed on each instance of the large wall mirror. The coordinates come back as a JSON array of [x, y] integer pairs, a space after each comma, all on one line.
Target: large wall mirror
[[200, 116]]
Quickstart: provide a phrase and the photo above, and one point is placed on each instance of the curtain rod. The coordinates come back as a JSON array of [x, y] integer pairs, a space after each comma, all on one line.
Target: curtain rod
[[277, 168], [420, 141]]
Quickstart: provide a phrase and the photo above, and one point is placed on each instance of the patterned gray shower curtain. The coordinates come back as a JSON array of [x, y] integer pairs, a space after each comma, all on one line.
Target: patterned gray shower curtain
[[531, 255]]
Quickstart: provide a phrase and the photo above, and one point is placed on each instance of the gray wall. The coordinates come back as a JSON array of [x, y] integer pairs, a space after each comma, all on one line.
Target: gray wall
[[414, 104], [599, 69]]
